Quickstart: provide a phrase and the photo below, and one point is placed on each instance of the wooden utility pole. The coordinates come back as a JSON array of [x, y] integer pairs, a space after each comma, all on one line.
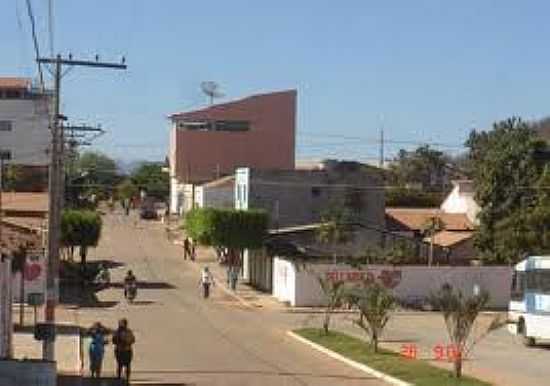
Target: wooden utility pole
[[55, 183]]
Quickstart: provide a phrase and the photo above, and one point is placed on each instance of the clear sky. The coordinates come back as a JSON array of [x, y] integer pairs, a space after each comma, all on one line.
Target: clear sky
[[428, 71]]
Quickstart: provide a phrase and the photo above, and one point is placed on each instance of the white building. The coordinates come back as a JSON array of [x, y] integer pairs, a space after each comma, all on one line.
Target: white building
[[24, 122], [461, 200], [216, 194]]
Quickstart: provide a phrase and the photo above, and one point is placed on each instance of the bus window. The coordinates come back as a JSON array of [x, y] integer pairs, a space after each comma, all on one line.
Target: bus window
[[518, 285], [543, 280]]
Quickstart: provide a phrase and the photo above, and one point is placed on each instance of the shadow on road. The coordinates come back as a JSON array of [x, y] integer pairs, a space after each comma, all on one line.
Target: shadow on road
[[76, 380], [146, 285], [82, 296]]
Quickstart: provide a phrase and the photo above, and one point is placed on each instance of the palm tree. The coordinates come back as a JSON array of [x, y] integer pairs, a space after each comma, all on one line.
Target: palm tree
[[460, 313], [334, 292], [375, 304]]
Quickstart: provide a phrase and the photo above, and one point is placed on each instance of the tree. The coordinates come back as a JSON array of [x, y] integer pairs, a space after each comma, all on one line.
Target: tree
[[430, 228], [233, 229], [506, 171], [98, 172], [423, 166], [151, 178], [334, 292], [80, 228], [460, 313], [13, 177], [375, 304], [126, 189]]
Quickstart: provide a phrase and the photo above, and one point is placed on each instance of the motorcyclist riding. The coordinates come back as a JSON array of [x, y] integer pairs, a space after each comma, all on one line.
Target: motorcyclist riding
[[130, 285]]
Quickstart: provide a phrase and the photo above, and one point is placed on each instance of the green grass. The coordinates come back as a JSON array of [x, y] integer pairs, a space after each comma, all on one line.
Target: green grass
[[417, 372]]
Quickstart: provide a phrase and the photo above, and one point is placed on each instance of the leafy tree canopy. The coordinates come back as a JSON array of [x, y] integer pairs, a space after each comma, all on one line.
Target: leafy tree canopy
[[424, 167], [509, 176], [151, 178], [229, 228], [80, 228]]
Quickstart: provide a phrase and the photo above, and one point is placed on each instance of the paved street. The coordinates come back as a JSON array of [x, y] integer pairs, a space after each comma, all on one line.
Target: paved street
[[184, 339]]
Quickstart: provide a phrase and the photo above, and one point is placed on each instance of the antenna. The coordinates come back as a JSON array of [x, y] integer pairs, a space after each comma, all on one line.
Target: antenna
[[211, 89]]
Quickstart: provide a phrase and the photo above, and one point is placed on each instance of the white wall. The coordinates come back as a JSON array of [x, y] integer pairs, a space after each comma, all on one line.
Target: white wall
[[284, 280], [461, 202], [30, 135], [407, 282]]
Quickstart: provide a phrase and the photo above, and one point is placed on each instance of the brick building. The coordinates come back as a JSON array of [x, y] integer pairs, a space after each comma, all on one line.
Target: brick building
[[257, 131]]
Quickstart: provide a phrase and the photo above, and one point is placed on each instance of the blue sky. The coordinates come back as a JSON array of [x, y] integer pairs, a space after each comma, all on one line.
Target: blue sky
[[428, 71]]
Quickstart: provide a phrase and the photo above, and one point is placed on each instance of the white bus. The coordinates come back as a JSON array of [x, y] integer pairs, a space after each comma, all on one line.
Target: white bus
[[529, 309]]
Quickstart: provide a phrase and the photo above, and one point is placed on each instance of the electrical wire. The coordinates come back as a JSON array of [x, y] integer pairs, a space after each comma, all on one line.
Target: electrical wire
[[35, 42], [50, 26]]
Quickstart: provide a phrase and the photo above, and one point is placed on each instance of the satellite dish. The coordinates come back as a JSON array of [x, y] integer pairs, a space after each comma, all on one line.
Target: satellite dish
[[211, 89]]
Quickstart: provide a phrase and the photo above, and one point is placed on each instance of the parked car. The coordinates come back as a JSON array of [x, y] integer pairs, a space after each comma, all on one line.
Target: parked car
[[148, 210]]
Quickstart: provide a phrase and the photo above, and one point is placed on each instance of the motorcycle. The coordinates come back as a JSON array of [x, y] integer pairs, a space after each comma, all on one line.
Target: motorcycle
[[103, 278], [131, 292]]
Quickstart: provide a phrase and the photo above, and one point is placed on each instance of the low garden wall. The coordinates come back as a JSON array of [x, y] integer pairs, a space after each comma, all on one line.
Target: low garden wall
[[298, 284]]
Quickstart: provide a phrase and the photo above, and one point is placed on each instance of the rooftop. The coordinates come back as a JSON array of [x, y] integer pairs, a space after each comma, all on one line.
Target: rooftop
[[449, 238], [227, 181], [415, 219], [15, 83], [205, 112]]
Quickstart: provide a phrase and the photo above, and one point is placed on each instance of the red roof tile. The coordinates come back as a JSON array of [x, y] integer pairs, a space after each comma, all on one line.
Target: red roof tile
[[416, 219], [14, 83]]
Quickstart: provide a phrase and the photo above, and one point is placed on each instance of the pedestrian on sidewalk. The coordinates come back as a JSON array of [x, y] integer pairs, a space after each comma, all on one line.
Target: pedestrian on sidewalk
[[193, 250], [234, 278], [123, 339], [206, 281], [186, 248], [96, 349]]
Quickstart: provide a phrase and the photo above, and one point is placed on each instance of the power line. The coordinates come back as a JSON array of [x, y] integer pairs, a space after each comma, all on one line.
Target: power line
[[35, 42], [50, 25]]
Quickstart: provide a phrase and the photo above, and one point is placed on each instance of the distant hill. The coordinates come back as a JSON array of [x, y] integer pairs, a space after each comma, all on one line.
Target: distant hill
[[127, 167]]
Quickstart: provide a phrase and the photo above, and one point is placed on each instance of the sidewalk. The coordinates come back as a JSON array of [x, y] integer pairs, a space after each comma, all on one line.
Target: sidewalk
[[67, 343], [246, 295]]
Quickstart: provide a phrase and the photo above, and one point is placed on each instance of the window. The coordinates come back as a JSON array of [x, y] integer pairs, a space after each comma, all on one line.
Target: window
[[315, 191], [518, 286], [6, 125], [538, 281], [232, 125]]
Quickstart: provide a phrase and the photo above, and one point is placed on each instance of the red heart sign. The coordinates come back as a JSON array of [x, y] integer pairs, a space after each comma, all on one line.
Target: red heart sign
[[32, 271]]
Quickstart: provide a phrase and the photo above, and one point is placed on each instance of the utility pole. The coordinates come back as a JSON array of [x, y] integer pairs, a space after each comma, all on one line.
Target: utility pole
[[5, 316], [55, 183], [382, 147]]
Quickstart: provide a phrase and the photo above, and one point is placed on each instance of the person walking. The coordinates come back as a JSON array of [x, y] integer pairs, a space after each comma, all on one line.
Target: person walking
[[123, 339], [206, 281], [96, 349], [186, 248], [192, 250]]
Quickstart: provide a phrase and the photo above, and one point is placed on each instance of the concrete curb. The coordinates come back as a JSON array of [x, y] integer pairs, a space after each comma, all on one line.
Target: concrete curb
[[349, 362]]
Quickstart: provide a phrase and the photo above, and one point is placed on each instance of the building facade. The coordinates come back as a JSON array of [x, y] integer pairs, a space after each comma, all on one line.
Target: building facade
[[257, 131], [300, 197], [24, 122]]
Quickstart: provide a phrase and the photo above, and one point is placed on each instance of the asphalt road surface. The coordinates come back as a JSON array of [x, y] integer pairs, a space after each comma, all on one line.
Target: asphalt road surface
[[183, 339]]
